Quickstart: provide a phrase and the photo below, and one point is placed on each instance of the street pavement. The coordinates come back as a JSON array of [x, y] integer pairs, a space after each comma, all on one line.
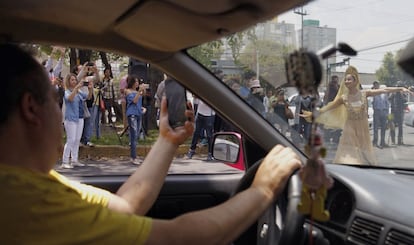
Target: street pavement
[[123, 166], [391, 156]]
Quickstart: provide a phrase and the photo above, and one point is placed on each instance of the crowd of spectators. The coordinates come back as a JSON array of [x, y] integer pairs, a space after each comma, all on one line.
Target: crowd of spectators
[[89, 100]]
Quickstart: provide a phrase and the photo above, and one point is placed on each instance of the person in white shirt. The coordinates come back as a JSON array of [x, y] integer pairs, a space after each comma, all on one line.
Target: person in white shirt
[[204, 121]]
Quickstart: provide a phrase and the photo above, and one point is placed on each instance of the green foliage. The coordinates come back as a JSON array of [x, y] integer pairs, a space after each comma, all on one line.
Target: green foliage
[[269, 56], [236, 42], [47, 49], [109, 137], [115, 57], [94, 54], [206, 52], [389, 73]]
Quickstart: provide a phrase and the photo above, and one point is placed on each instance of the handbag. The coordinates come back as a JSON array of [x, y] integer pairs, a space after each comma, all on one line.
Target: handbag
[[288, 113], [101, 104]]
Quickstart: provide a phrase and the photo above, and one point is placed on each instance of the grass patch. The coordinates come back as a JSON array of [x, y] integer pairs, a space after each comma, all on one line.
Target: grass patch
[[110, 136]]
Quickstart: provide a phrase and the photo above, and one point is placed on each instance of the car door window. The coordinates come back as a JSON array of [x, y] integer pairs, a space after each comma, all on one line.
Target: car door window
[[104, 147]]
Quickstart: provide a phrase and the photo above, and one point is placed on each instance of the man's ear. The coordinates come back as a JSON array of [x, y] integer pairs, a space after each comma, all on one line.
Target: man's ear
[[29, 109]]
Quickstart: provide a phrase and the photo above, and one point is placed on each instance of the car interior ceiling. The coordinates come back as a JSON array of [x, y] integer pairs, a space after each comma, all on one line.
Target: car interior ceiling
[[128, 19]]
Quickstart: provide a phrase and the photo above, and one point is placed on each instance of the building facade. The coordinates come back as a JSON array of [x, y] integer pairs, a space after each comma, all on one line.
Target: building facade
[[283, 33]]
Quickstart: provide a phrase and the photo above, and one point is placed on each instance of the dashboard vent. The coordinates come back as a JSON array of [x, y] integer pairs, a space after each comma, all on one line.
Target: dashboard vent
[[398, 237], [364, 231]]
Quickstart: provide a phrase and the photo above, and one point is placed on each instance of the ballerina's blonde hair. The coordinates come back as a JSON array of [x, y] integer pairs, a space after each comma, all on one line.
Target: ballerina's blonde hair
[[335, 118]]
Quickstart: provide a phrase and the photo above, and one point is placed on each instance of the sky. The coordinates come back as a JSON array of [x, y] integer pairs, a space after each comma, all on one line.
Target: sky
[[364, 25]]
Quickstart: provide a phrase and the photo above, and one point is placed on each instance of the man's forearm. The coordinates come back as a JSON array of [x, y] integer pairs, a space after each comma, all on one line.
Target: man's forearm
[[143, 187]]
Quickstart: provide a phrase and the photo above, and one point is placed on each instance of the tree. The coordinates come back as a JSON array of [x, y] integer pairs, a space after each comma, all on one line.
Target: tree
[[269, 57], [237, 41], [389, 72], [213, 50], [104, 59], [205, 53]]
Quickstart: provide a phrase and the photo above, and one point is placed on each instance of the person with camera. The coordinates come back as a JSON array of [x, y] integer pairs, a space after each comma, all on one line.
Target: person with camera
[[133, 97], [74, 100], [108, 94], [91, 74]]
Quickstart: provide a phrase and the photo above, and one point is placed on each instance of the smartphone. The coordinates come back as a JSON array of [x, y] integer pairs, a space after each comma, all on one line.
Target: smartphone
[[176, 103], [85, 83]]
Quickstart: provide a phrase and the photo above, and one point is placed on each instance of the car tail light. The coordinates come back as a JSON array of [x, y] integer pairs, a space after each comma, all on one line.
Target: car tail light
[[407, 109]]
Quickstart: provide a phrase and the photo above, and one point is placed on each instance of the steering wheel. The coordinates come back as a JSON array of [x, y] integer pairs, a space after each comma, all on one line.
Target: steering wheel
[[281, 223]]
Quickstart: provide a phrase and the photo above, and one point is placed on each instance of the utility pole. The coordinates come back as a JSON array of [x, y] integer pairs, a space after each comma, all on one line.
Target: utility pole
[[301, 12], [345, 61], [257, 64]]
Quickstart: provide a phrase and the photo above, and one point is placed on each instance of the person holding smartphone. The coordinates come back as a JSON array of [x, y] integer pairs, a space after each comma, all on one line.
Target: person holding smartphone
[[108, 93], [74, 98], [89, 73], [133, 97]]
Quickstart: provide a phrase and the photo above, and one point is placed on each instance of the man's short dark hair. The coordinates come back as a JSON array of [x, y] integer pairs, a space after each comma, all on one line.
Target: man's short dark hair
[[20, 73]]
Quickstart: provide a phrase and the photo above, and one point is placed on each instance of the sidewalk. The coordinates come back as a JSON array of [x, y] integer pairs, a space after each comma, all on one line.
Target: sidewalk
[[116, 151]]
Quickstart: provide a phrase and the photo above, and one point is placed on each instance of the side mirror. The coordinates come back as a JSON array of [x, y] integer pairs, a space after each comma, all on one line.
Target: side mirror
[[227, 147]]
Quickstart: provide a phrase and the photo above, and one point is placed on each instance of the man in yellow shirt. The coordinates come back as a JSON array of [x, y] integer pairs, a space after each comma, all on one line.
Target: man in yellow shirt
[[39, 206]]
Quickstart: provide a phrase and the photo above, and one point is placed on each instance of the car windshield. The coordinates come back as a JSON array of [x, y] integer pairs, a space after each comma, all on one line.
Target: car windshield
[[378, 127]]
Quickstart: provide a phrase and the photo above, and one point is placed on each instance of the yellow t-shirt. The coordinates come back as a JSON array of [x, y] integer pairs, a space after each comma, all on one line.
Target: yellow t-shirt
[[50, 209]]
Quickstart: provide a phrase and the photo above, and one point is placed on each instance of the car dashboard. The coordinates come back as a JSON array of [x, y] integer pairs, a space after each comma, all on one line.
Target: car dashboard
[[369, 206]]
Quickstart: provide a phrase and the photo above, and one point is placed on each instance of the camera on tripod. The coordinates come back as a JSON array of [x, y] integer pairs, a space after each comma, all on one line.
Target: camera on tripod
[[99, 85]]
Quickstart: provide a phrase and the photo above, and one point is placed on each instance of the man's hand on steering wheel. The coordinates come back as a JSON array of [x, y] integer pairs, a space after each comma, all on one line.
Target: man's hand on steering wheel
[[275, 177], [275, 170]]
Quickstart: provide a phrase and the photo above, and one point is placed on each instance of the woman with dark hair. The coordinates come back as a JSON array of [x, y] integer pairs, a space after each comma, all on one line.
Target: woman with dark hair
[[133, 96], [108, 93]]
